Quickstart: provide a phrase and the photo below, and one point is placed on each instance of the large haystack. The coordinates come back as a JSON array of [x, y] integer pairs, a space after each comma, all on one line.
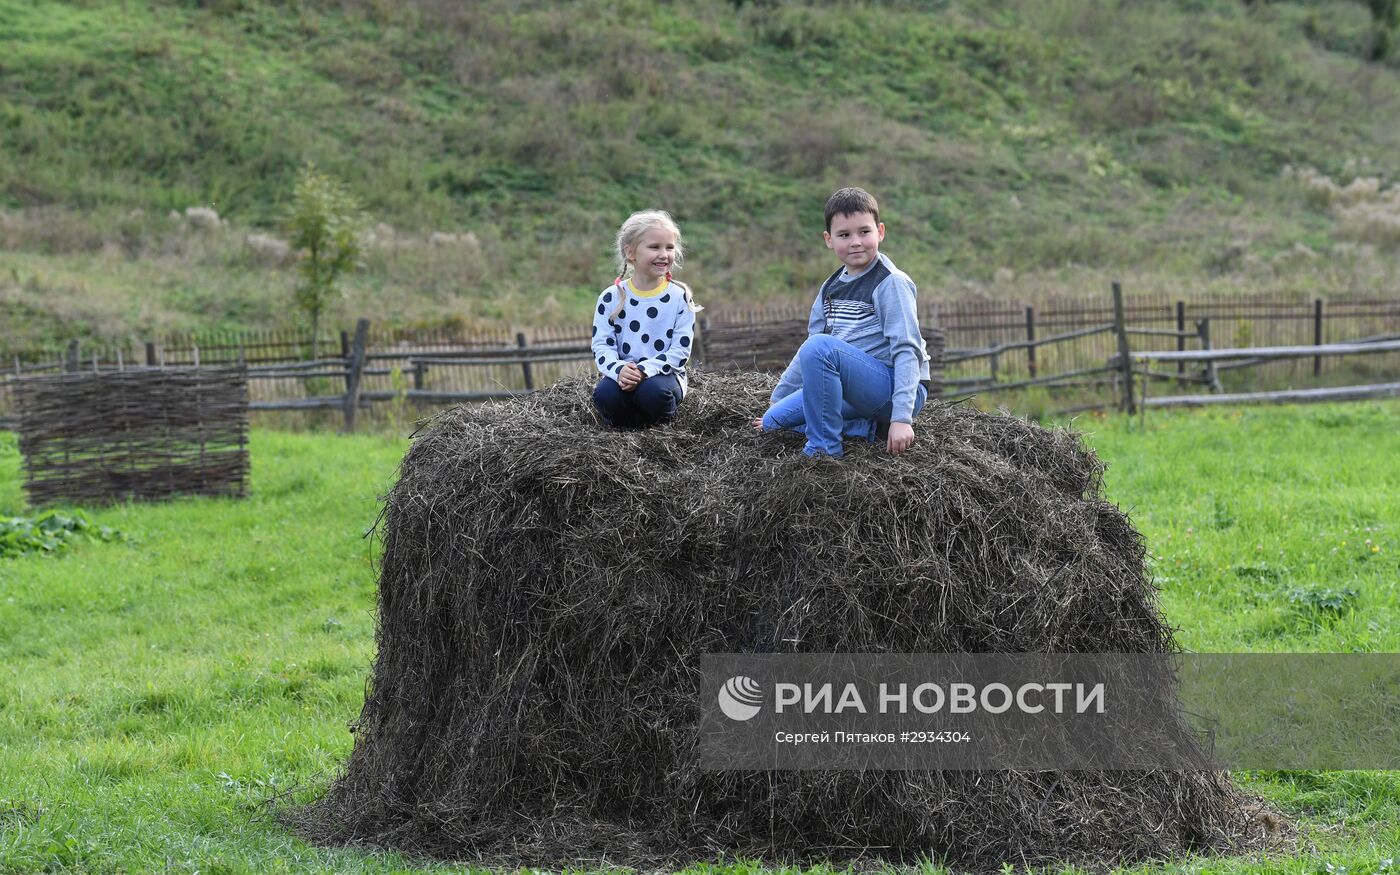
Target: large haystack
[[548, 585]]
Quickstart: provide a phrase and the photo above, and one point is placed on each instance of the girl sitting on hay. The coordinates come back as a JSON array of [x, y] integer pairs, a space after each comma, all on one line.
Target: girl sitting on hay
[[644, 326]]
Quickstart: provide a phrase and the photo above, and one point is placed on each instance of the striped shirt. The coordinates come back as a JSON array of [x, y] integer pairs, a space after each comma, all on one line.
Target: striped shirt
[[874, 311]]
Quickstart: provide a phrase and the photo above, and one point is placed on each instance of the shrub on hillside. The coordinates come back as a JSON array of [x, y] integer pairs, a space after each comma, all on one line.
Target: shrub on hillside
[[200, 219], [267, 249], [1366, 210]]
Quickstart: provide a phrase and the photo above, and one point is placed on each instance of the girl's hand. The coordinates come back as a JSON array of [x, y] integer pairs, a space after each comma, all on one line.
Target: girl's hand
[[757, 424], [630, 377], [901, 437]]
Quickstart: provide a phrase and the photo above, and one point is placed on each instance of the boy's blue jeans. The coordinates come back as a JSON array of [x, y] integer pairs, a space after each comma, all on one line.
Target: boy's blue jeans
[[653, 401], [844, 392]]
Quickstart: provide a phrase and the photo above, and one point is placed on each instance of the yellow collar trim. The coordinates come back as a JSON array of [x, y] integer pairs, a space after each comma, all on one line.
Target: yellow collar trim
[[660, 287]]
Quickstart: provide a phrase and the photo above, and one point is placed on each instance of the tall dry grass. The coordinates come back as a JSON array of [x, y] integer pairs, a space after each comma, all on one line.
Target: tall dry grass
[[1366, 209]]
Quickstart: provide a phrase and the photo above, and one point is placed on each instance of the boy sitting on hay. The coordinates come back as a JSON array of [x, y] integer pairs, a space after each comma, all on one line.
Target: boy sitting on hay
[[862, 366]]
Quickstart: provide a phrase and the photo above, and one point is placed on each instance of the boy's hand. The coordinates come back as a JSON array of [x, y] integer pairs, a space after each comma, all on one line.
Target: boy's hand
[[630, 377], [757, 424], [901, 437]]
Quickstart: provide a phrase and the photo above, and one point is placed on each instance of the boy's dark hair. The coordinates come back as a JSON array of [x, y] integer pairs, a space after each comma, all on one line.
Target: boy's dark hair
[[849, 201]]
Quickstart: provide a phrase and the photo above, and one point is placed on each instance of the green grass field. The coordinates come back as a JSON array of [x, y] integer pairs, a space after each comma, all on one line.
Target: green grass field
[[155, 692]]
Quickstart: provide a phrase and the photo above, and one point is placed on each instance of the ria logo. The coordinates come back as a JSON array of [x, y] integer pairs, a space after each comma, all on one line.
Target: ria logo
[[740, 698]]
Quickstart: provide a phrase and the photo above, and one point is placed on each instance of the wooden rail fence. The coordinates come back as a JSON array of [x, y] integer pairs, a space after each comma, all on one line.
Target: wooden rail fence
[[1055, 345], [1260, 354]]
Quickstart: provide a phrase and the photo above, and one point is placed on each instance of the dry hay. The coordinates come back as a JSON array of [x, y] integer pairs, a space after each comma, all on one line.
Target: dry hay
[[548, 585]]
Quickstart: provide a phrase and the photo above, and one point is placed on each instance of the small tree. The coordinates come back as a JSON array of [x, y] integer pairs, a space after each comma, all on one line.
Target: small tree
[[324, 226]]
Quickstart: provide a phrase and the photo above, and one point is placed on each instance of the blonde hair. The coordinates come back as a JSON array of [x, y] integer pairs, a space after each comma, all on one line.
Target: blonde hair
[[628, 236]]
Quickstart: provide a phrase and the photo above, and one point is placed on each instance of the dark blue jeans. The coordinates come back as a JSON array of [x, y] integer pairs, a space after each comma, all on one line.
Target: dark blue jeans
[[653, 401]]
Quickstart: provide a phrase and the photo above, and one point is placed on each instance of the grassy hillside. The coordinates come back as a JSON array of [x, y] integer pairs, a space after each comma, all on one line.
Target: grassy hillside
[[1016, 145]]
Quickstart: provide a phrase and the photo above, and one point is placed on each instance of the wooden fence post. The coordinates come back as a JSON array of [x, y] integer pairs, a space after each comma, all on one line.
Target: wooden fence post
[[1030, 336], [355, 366], [1125, 362], [151, 360], [1317, 335], [523, 345], [70, 360], [1212, 378], [1181, 334]]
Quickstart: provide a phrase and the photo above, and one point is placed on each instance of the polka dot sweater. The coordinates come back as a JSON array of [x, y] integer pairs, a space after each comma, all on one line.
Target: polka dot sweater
[[654, 329]]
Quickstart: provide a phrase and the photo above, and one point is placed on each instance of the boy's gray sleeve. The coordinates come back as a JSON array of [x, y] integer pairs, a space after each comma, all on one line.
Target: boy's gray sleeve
[[899, 322], [791, 382], [605, 357], [677, 354], [816, 320], [792, 376]]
